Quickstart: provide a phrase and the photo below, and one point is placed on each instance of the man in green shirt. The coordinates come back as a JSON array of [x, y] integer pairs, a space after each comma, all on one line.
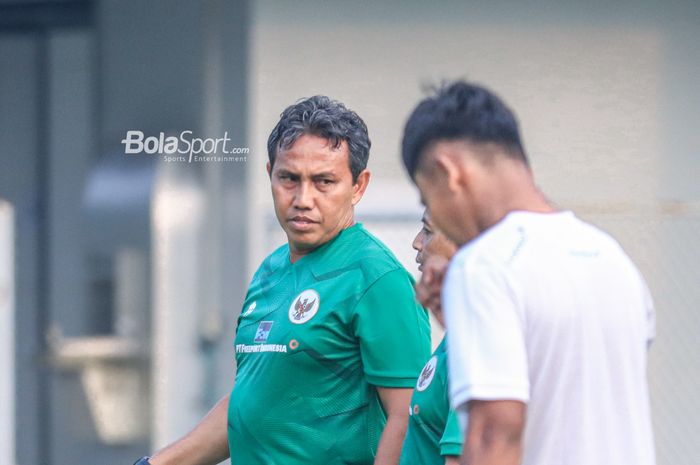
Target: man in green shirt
[[433, 436], [330, 339]]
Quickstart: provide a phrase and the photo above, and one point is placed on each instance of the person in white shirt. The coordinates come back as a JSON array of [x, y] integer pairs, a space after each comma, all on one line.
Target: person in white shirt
[[548, 319]]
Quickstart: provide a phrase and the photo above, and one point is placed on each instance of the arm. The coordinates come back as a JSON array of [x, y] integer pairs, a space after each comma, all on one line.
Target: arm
[[451, 460], [396, 402], [494, 434], [206, 444], [487, 359], [394, 338]]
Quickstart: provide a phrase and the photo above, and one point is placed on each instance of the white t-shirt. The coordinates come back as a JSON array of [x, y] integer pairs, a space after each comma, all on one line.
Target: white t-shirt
[[549, 310]]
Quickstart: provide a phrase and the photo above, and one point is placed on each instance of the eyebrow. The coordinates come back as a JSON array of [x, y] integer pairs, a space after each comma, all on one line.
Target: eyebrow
[[325, 174]]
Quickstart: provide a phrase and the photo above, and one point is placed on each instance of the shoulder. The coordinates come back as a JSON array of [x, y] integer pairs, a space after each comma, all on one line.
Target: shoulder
[[497, 246], [524, 236], [273, 263], [376, 253], [362, 251]]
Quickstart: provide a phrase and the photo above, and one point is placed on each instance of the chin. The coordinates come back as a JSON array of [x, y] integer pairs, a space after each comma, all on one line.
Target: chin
[[302, 241]]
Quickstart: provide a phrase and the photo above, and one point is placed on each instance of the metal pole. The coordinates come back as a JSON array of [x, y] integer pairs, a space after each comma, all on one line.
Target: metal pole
[[7, 340]]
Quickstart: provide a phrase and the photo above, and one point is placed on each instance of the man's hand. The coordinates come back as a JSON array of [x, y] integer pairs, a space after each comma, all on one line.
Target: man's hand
[[430, 284], [396, 402]]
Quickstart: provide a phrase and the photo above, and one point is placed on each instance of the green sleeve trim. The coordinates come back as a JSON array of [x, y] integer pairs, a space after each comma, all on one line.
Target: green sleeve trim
[[452, 437], [391, 382], [451, 449]]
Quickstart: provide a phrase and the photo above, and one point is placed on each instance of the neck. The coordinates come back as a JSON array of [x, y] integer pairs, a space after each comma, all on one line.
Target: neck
[[514, 190], [295, 253]]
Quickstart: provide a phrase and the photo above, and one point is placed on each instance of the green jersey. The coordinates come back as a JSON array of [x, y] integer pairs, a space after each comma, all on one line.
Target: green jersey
[[433, 428], [315, 338]]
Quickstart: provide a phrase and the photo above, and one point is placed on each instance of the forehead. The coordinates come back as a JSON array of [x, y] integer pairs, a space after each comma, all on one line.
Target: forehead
[[309, 154]]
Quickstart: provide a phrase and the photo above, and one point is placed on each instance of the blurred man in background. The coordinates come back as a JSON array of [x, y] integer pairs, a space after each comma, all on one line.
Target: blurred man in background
[[433, 436], [548, 319], [330, 339]]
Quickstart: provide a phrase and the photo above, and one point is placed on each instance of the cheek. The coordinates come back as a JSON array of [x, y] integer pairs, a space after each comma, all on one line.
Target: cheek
[[432, 248], [434, 200], [429, 186], [444, 220], [335, 203], [429, 247], [439, 211], [440, 246], [280, 195]]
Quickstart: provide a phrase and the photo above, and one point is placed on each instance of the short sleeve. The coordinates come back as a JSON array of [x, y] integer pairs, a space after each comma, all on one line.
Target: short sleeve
[[393, 331], [487, 358], [452, 437]]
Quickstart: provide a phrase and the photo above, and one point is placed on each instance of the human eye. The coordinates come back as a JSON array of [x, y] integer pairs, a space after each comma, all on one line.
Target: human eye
[[286, 177], [325, 182]]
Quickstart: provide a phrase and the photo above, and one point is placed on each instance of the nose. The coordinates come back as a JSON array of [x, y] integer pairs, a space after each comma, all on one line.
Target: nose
[[418, 241], [303, 197]]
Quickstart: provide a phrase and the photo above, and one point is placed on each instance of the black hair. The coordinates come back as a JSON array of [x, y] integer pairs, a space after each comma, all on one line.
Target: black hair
[[460, 111], [320, 116]]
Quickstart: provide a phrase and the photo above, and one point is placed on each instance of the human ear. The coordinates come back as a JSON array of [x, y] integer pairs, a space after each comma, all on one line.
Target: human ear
[[448, 172], [360, 186]]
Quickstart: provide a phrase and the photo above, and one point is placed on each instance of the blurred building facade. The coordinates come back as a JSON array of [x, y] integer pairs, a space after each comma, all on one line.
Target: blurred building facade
[[128, 271]]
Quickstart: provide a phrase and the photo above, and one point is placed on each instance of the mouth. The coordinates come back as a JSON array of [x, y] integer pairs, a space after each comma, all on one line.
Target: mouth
[[301, 223]]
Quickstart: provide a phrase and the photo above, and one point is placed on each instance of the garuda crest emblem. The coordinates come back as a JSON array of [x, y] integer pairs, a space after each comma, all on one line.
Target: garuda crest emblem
[[304, 307], [427, 375]]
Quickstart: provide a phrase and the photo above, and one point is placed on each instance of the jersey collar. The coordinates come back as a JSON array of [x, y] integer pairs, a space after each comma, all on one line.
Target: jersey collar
[[319, 261]]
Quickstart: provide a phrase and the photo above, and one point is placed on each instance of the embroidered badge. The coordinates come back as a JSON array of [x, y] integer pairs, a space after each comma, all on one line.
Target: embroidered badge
[[263, 331], [304, 307], [426, 376]]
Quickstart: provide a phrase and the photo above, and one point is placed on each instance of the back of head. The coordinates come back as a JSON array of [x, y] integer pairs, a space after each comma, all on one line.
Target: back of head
[[460, 111], [320, 116]]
